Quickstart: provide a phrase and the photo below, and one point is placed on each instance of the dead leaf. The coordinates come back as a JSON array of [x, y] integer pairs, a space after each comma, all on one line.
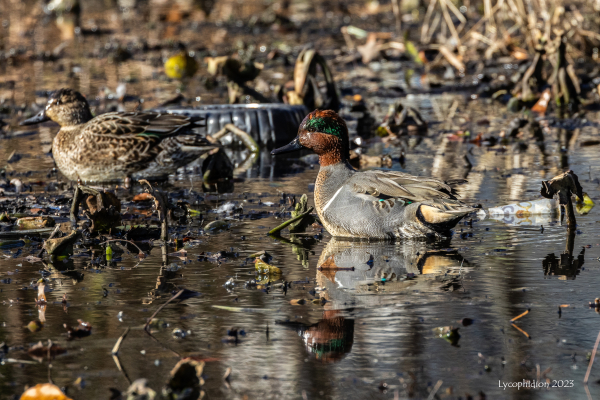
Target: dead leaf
[[452, 58], [370, 50], [542, 104], [44, 391], [143, 197]]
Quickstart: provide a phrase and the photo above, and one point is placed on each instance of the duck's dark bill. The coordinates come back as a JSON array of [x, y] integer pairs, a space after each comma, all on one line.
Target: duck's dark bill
[[292, 146], [39, 117]]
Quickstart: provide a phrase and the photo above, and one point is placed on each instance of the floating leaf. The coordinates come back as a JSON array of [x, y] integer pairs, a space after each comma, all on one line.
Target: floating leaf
[[542, 104], [35, 222], [585, 206], [266, 269], [216, 226], [143, 197], [35, 326]]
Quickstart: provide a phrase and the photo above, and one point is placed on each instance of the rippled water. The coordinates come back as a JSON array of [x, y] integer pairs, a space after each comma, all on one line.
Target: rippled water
[[365, 330], [377, 323]]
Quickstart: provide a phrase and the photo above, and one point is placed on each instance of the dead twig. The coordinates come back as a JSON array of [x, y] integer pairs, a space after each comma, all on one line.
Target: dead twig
[[397, 15], [123, 240], [161, 307], [54, 232], [435, 389], [117, 346], [521, 330], [248, 140], [587, 374], [519, 316], [162, 344], [452, 58], [161, 201], [289, 222]]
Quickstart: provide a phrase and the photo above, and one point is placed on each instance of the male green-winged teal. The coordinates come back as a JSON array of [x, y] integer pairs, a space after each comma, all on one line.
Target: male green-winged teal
[[372, 204], [118, 145]]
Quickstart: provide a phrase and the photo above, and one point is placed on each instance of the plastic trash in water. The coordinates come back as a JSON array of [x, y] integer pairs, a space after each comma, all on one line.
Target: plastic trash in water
[[536, 212]]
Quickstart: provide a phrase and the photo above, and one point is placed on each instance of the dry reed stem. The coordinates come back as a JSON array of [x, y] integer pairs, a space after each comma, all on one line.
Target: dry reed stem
[[519, 316], [521, 330], [451, 27], [587, 374], [117, 346], [161, 307]]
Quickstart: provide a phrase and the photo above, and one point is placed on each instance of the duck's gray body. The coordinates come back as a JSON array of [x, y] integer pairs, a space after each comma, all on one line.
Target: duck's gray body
[[384, 204]]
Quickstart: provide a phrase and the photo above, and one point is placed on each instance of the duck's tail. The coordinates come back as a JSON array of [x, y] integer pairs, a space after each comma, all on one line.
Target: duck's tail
[[443, 214]]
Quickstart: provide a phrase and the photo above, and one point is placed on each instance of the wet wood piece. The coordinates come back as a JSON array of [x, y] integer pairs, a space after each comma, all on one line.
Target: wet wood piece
[[277, 230], [563, 186]]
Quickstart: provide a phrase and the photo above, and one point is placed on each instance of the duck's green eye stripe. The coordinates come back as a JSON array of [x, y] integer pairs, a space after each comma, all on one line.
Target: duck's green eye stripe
[[325, 126]]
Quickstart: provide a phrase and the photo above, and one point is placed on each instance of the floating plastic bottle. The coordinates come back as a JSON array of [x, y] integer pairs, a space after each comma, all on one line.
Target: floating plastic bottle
[[536, 212]]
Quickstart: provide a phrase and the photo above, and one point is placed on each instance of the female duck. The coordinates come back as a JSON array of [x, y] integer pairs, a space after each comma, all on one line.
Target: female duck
[[372, 204], [117, 145]]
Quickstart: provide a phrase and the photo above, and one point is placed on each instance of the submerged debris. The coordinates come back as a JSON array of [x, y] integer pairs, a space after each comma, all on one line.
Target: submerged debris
[[40, 351], [185, 380], [82, 330], [448, 333], [61, 246], [103, 208]]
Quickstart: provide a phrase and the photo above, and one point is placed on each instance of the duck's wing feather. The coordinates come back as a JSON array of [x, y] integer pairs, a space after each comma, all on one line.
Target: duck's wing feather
[[135, 137], [147, 125], [394, 184], [386, 191]]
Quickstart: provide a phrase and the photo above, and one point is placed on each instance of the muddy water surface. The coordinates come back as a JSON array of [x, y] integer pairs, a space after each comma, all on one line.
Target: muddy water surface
[[364, 330], [377, 322]]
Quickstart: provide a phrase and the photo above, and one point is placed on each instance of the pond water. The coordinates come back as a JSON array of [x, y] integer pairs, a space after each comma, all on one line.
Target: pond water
[[377, 323], [365, 330]]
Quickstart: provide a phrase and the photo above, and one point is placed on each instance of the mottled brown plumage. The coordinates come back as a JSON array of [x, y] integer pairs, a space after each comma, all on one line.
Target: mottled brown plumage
[[118, 145]]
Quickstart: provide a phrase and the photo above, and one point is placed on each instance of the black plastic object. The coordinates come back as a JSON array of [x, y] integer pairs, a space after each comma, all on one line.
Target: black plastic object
[[271, 125]]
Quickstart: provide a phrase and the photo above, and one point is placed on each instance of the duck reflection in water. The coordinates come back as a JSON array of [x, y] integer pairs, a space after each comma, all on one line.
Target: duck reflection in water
[[330, 339], [347, 268], [361, 274]]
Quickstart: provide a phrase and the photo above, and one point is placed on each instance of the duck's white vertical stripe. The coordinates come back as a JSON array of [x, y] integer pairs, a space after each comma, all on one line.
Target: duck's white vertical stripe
[[330, 200]]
